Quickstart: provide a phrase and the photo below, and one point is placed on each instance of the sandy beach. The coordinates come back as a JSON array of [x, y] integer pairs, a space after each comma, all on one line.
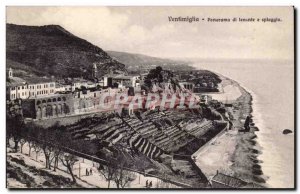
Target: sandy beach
[[233, 152]]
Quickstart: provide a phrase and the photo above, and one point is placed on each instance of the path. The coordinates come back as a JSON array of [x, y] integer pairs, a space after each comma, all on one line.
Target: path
[[96, 180]]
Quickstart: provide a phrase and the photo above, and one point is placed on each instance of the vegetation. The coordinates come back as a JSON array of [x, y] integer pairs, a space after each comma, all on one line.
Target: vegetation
[[116, 170], [136, 62], [49, 180], [56, 143], [158, 75], [42, 51]]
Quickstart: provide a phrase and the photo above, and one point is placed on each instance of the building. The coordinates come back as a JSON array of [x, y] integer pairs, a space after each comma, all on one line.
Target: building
[[95, 101], [95, 71], [50, 106], [66, 104], [103, 82], [10, 73], [187, 85], [16, 88], [40, 87], [60, 88], [123, 81], [142, 78], [30, 88], [205, 99], [78, 83]]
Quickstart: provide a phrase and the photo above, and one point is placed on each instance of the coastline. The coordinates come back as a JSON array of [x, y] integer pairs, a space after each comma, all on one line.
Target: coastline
[[246, 164], [273, 111], [235, 152]]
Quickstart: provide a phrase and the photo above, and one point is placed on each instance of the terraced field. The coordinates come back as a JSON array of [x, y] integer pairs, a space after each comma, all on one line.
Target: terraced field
[[155, 135]]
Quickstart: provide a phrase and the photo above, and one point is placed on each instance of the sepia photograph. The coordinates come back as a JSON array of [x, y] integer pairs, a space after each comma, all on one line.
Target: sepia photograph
[[150, 97]]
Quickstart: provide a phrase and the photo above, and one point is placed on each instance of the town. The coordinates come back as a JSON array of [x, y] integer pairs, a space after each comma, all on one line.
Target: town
[[117, 120], [144, 98], [156, 137], [46, 98]]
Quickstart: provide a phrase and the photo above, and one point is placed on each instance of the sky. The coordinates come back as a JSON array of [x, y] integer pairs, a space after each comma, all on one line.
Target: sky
[[147, 30]]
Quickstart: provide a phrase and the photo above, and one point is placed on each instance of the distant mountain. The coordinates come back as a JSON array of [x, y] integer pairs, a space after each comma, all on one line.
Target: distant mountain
[[52, 50], [132, 60]]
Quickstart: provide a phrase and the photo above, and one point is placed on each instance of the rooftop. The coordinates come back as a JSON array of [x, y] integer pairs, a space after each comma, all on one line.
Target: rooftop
[[15, 81], [47, 96], [58, 85], [120, 76], [79, 80]]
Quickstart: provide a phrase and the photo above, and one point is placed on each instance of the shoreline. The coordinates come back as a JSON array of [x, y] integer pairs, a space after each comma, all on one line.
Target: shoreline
[[245, 162], [234, 152]]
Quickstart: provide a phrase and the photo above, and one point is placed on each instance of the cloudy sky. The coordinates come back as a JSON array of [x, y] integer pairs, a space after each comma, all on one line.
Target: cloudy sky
[[147, 30]]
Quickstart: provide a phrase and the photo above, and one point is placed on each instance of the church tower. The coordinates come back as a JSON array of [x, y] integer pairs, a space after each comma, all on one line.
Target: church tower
[[10, 73], [95, 71]]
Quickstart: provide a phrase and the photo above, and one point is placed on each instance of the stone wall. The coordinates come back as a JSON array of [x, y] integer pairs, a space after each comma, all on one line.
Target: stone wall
[[49, 107]]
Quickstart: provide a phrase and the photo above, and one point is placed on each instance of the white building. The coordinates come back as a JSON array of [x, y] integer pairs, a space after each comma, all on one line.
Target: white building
[[125, 81], [29, 88], [63, 87], [103, 82], [17, 90], [78, 83], [41, 88]]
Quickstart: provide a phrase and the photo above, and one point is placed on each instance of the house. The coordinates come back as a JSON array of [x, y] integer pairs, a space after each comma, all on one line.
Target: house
[[62, 87], [123, 81], [78, 83], [103, 82], [16, 88]]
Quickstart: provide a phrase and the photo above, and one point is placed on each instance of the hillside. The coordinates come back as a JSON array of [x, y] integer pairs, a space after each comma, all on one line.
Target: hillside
[[134, 61], [51, 50]]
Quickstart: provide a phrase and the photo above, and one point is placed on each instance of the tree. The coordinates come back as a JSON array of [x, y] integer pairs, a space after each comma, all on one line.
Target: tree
[[30, 140], [16, 140], [68, 160], [14, 127], [115, 170], [22, 142], [157, 76], [108, 172], [55, 157], [123, 177], [37, 149], [83, 89], [47, 150]]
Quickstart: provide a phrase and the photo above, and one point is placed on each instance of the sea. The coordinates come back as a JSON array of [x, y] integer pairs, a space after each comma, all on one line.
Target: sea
[[271, 84]]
